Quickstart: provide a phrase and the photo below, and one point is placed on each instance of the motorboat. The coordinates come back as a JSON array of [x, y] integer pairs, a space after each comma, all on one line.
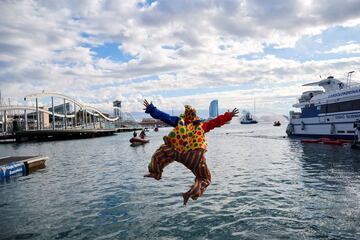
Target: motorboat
[[247, 118], [277, 124], [138, 141]]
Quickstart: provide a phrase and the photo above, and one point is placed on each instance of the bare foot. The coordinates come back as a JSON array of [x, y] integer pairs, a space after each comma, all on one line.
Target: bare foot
[[186, 197]]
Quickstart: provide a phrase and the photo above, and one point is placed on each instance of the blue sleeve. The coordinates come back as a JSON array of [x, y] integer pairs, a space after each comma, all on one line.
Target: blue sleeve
[[166, 118]]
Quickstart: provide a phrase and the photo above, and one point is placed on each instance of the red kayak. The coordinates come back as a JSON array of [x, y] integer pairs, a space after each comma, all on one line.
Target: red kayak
[[333, 142], [310, 140], [138, 140], [327, 141]]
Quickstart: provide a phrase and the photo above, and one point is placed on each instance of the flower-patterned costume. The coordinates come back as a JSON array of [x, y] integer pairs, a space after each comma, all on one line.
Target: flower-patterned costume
[[185, 144]]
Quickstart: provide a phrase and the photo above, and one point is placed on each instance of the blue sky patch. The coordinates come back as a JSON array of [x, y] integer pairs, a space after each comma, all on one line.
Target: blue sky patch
[[112, 51], [146, 4]]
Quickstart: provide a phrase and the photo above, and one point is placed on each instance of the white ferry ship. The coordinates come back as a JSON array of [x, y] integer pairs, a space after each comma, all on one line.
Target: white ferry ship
[[329, 113]]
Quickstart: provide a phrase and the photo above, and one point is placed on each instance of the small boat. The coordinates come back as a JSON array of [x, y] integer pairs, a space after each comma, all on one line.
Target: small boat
[[310, 140], [138, 141], [247, 118], [277, 124]]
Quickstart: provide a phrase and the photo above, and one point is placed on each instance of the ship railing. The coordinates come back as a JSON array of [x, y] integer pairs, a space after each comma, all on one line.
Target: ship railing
[[356, 84]]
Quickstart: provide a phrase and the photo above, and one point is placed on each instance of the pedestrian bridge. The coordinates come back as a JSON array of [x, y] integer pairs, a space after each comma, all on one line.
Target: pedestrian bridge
[[79, 115]]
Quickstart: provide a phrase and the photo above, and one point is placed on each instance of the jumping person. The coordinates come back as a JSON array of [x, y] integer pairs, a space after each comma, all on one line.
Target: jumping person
[[185, 144]]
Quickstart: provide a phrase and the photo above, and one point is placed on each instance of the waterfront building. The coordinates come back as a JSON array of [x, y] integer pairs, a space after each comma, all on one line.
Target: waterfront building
[[152, 122], [214, 109], [62, 108]]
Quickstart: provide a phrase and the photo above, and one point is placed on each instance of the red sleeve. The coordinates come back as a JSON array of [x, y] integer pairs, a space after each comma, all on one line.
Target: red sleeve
[[216, 122]]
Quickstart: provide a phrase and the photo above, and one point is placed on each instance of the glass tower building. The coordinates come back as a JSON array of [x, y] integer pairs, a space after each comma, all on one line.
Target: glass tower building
[[214, 109]]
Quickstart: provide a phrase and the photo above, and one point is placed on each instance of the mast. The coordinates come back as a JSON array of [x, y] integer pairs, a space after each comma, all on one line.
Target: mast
[[254, 106], [348, 79]]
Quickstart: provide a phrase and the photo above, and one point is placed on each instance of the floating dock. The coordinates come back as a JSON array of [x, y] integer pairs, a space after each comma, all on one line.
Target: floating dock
[[60, 134], [57, 134], [127, 129], [21, 165]]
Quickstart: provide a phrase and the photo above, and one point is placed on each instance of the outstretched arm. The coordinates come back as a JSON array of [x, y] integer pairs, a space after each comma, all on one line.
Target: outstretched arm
[[156, 113], [220, 120]]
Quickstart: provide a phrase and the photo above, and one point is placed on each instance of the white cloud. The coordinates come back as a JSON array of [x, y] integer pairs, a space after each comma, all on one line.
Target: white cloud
[[349, 49], [44, 45]]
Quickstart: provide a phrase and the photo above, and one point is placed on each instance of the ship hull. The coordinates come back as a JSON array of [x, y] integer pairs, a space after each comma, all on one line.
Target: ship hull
[[332, 126]]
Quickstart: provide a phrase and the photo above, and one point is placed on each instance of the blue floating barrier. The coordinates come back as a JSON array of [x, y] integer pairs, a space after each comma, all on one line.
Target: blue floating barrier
[[12, 169]]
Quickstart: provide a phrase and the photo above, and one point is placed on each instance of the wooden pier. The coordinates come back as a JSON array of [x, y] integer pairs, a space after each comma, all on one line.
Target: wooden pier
[[52, 135], [127, 129], [20, 165], [60, 134]]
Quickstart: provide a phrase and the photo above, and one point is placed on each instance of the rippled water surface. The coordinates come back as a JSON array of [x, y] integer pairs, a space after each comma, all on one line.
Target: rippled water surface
[[264, 186]]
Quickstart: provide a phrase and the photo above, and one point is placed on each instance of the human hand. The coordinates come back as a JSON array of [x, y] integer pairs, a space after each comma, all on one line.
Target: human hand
[[146, 104], [234, 112]]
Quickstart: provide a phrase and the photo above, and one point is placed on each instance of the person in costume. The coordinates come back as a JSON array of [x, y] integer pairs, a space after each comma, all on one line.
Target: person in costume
[[185, 144]]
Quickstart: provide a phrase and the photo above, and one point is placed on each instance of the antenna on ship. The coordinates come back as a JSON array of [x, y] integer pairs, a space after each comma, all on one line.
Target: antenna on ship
[[254, 106], [348, 79]]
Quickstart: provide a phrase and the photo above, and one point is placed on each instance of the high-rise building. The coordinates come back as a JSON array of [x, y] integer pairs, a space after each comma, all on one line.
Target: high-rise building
[[214, 109], [117, 108]]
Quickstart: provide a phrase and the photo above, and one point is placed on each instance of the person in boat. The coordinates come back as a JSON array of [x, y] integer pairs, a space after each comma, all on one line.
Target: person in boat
[[134, 134], [142, 134], [185, 144]]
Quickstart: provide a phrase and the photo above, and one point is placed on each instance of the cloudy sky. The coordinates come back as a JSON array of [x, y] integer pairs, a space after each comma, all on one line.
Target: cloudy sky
[[176, 52]]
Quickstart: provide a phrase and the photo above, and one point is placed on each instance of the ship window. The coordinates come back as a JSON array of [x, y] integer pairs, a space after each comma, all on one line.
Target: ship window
[[333, 108], [356, 105], [341, 107], [350, 131], [323, 109], [345, 106], [341, 131]]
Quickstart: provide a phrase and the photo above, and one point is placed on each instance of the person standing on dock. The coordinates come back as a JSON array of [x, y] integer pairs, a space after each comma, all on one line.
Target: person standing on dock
[[185, 144]]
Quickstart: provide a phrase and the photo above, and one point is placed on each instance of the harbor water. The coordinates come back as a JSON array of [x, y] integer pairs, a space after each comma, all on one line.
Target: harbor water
[[264, 186]]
